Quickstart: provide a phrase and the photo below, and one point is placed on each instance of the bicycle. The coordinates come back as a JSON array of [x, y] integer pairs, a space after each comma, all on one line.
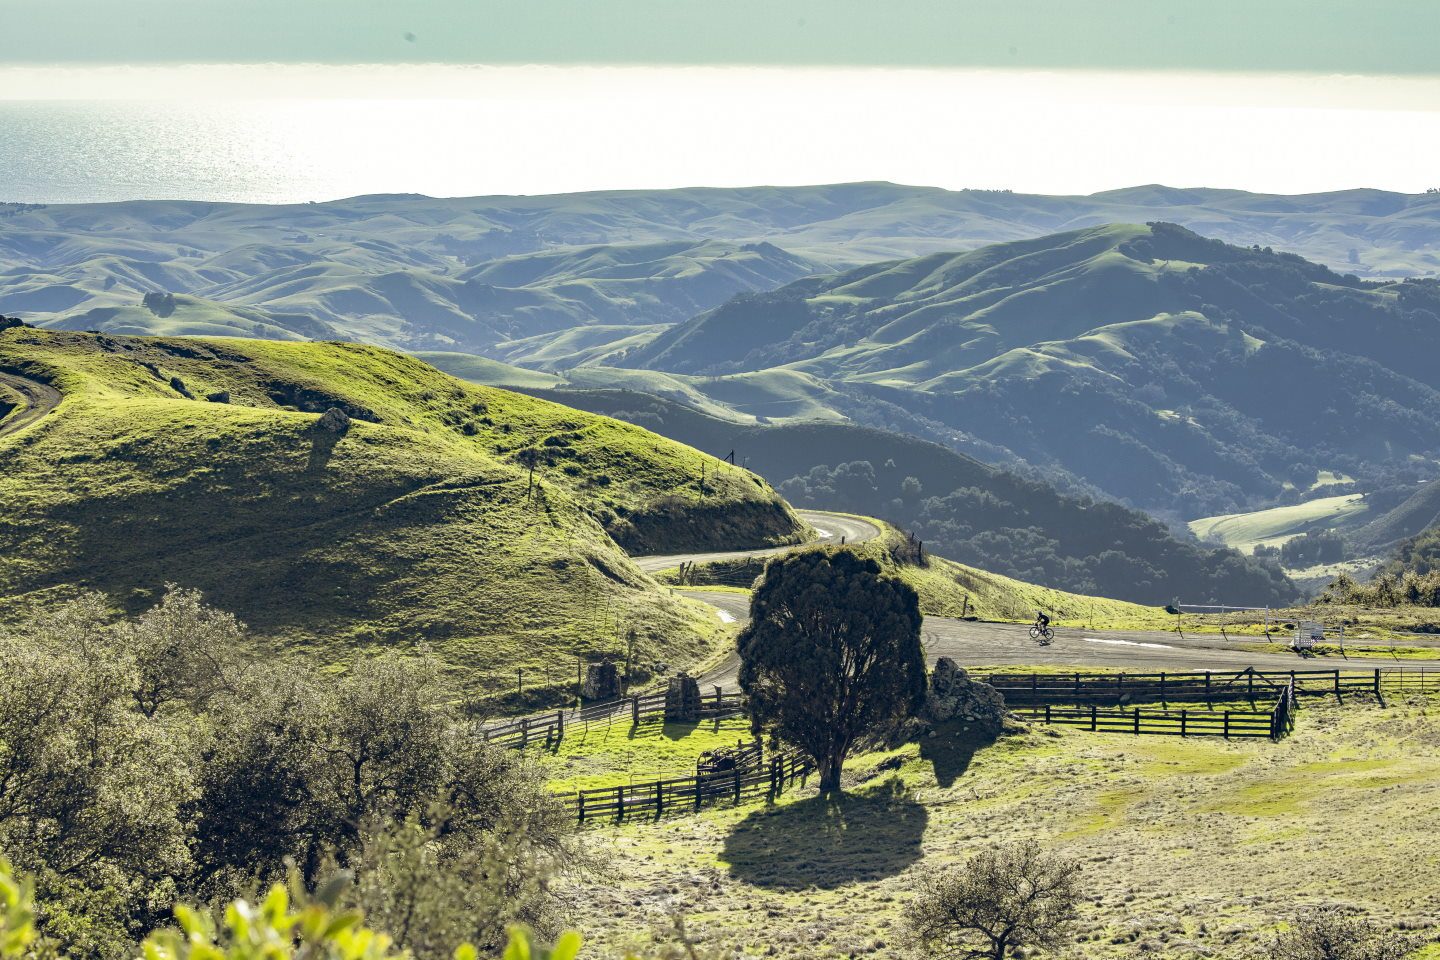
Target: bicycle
[[1042, 635]]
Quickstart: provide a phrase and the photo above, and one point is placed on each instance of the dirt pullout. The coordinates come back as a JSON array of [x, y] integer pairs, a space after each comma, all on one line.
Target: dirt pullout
[[36, 400]]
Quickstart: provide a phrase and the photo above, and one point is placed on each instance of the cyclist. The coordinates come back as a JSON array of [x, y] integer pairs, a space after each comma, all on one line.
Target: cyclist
[[1041, 631]]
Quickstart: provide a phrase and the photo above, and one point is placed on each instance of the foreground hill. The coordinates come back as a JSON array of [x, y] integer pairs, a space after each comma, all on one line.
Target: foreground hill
[[1175, 372], [963, 509], [417, 525]]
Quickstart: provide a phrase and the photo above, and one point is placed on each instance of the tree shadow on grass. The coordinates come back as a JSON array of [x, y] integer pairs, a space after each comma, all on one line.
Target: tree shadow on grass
[[829, 842], [322, 445], [952, 748]]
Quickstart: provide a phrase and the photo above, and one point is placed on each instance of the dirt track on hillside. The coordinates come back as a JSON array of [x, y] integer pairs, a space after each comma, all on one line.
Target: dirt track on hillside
[[37, 399]]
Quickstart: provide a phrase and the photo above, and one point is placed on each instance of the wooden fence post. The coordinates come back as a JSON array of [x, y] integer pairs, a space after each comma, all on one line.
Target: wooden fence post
[[1094, 719], [1162, 686], [524, 732], [1377, 683], [697, 791], [737, 783], [620, 803], [1227, 724], [560, 724], [1047, 711], [635, 711], [1207, 686], [659, 799], [1137, 721], [1182, 722], [582, 806]]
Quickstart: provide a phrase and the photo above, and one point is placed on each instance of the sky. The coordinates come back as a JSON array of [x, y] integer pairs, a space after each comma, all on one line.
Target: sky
[[316, 99], [1324, 36]]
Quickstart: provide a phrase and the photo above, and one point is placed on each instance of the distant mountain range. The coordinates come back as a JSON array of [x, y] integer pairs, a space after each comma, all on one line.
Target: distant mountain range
[[492, 274], [1173, 371], [1183, 375]]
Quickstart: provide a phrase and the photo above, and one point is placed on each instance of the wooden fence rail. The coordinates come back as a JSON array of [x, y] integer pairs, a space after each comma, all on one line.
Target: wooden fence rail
[[655, 798], [1206, 686], [545, 727]]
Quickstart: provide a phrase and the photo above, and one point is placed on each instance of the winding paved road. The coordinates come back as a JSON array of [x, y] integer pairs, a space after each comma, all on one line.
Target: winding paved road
[[37, 398], [831, 527], [976, 644]]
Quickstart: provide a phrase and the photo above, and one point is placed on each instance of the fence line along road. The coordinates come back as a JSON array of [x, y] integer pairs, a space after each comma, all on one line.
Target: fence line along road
[[1207, 686]]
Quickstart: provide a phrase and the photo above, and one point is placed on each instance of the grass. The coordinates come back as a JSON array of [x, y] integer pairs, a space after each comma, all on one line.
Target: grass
[[950, 589], [613, 752], [1325, 651], [416, 528], [1246, 531], [1188, 848]]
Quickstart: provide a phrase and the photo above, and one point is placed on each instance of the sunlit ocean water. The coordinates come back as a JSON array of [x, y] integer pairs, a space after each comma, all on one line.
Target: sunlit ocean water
[[288, 134], [264, 151]]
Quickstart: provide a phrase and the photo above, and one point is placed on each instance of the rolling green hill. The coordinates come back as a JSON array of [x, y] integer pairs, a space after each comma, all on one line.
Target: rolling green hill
[[964, 509], [1171, 371], [418, 525], [422, 273]]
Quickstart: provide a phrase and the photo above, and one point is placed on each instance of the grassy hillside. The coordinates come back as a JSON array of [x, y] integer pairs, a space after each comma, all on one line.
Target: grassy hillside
[[417, 526], [1246, 531], [950, 589], [1196, 847], [1168, 370], [964, 509], [426, 273]]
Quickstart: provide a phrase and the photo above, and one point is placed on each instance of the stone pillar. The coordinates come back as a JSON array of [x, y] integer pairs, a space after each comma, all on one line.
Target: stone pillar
[[602, 682], [682, 698]]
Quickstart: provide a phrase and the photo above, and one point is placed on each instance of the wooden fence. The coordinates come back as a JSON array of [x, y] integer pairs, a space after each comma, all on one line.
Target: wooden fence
[[1275, 723], [655, 798], [550, 727], [1204, 686]]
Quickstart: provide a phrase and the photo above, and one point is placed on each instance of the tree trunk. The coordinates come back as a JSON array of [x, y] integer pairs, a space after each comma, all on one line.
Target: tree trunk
[[830, 768]]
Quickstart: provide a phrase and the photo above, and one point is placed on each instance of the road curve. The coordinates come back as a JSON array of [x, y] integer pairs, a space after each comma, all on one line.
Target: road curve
[[37, 399], [831, 527], [980, 645]]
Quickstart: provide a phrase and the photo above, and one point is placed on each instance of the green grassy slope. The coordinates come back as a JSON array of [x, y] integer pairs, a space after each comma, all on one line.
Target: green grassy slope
[[1246, 531], [967, 510], [415, 527], [950, 589], [1172, 371]]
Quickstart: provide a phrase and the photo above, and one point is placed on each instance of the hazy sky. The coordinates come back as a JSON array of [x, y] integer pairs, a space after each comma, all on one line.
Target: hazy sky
[[1327, 36], [315, 99]]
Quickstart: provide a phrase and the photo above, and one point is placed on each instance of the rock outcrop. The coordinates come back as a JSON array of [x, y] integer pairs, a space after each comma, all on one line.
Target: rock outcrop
[[954, 696]]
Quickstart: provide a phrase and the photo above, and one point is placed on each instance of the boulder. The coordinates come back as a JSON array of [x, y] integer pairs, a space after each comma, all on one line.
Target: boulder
[[954, 696], [333, 420], [682, 698], [602, 682], [179, 387], [219, 396]]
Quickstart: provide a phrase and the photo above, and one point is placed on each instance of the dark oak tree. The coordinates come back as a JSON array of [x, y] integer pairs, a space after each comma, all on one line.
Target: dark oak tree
[[832, 652]]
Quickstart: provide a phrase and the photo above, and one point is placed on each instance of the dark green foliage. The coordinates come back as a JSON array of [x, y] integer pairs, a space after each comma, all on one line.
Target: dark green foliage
[[140, 762], [832, 652], [1312, 548], [965, 510], [1410, 578]]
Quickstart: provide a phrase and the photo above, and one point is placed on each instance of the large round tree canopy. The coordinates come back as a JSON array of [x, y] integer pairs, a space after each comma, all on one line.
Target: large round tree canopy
[[832, 651]]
